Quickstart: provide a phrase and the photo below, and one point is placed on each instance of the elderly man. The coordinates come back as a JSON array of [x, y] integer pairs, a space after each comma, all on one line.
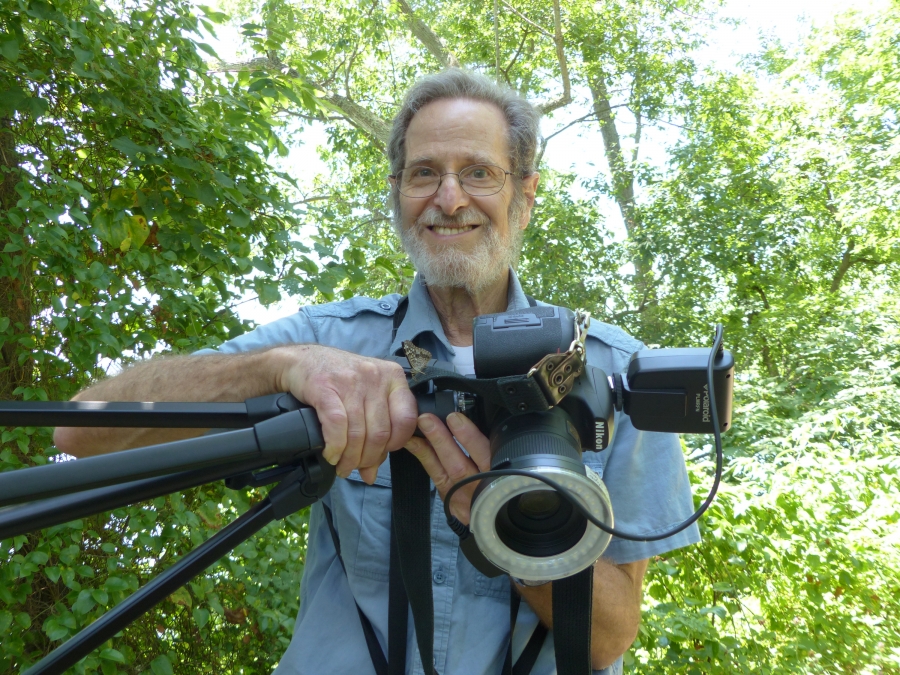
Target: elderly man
[[463, 185]]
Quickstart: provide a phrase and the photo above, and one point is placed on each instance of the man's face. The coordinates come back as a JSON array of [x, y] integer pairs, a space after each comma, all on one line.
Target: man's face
[[453, 238]]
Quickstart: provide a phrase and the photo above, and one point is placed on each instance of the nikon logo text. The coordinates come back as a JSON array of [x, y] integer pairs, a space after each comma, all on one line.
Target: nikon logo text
[[599, 435]]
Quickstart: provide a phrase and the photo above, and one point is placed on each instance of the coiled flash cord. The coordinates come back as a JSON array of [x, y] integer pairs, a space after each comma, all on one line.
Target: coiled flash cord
[[463, 530]]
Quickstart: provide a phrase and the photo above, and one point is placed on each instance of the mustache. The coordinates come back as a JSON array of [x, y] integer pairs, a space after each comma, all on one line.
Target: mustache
[[433, 217]]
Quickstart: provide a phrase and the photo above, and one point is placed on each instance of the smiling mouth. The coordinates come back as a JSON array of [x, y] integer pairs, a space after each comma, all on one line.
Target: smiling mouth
[[450, 231]]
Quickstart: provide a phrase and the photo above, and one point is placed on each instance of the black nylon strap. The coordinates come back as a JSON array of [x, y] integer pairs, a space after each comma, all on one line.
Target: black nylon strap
[[514, 601], [398, 612], [572, 600], [529, 655], [375, 652], [411, 504], [532, 650]]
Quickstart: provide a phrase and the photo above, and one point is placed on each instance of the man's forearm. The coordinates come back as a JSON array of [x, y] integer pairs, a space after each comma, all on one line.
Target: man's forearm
[[615, 613], [211, 378]]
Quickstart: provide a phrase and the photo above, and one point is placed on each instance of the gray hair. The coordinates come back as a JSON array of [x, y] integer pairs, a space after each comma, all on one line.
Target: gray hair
[[522, 118]]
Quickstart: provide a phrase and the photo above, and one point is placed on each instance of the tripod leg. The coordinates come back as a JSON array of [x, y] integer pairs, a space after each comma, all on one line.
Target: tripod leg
[[69, 653]]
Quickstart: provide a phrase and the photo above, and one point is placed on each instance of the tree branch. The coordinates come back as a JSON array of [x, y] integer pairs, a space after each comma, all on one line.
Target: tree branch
[[364, 120], [497, 40], [427, 37], [566, 97], [846, 262], [376, 127], [526, 19], [622, 178]]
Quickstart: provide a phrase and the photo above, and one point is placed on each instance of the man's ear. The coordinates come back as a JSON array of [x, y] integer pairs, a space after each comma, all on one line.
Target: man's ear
[[529, 189]]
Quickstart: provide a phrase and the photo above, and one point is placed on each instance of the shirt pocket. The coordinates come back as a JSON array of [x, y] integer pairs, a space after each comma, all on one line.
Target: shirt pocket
[[370, 554], [496, 587], [596, 460]]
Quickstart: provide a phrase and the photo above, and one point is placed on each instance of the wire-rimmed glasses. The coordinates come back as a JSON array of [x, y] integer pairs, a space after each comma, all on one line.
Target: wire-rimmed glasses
[[478, 180]]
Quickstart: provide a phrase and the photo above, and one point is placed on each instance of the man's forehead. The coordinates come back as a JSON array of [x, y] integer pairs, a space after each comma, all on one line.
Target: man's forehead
[[475, 130], [471, 157]]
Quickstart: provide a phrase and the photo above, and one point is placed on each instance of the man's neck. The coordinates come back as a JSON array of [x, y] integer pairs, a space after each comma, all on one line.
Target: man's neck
[[456, 308]]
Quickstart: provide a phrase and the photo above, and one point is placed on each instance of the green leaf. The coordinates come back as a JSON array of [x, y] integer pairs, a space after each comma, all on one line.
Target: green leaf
[[161, 665], [9, 48], [85, 602], [201, 616], [181, 597], [113, 655], [38, 557], [206, 48], [128, 147]]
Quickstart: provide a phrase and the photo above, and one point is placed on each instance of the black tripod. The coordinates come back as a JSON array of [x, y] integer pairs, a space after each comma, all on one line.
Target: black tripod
[[276, 440]]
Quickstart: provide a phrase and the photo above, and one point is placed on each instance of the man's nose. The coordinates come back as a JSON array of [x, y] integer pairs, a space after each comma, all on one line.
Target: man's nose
[[450, 197]]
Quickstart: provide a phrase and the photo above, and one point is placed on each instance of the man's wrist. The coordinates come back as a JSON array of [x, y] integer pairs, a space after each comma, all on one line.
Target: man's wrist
[[528, 583]]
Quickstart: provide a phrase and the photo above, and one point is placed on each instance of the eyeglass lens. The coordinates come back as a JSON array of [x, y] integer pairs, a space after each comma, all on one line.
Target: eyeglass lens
[[479, 180]]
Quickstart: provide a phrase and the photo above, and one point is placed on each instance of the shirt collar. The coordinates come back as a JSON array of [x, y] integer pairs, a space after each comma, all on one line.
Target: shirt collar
[[422, 317]]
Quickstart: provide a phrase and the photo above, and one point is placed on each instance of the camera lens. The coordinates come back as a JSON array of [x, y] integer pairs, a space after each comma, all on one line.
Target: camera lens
[[539, 524], [538, 505]]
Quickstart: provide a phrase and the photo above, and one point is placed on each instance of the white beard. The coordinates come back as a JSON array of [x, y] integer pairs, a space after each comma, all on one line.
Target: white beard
[[451, 267]]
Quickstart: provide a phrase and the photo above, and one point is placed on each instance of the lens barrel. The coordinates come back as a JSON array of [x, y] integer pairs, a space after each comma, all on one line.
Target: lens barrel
[[523, 526]]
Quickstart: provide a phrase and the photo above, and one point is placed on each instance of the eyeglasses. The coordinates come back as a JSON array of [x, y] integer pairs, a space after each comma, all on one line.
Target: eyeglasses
[[479, 180]]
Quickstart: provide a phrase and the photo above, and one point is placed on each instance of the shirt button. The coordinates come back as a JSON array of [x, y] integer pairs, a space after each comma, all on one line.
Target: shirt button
[[384, 305], [439, 576]]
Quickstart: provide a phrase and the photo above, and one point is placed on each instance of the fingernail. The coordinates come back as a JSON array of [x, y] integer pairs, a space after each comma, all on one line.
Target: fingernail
[[426, 424], [454, 421], [331, 458], [343, 473]]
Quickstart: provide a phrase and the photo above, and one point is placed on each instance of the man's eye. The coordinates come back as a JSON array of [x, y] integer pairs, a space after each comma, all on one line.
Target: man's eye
[[479, 173], [422, 172]]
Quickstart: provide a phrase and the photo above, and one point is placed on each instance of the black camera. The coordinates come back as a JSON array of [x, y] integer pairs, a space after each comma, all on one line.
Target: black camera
[[542, 404]]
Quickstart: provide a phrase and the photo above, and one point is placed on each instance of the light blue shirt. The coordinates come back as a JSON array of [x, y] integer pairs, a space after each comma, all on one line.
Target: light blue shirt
[[643, 471]]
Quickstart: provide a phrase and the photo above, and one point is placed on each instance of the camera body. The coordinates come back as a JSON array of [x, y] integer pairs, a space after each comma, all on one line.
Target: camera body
[[542, 405]]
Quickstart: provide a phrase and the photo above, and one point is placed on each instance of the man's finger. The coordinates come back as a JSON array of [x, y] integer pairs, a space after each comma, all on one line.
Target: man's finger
[[404, 414], [356, 435], [470, 437], [378, 431], [453, 460], [369, 474], [333, 418], [422, 451]]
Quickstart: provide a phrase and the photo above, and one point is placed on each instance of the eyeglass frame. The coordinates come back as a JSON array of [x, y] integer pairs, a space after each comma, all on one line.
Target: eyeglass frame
[[396, 177]]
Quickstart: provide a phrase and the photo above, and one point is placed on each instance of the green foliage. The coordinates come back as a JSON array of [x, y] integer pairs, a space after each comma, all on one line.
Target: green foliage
[[136, 209], [799, 571]]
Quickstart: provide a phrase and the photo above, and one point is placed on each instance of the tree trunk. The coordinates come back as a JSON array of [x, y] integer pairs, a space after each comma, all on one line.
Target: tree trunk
[[15, 289], [622, 178]]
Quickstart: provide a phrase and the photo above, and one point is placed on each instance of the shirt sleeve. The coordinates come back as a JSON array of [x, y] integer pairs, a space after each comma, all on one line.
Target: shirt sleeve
[[648, 485], [644, 471], [294, 329]]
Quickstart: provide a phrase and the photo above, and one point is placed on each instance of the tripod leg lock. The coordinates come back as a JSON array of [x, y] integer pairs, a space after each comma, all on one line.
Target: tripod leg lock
[[305, 486]]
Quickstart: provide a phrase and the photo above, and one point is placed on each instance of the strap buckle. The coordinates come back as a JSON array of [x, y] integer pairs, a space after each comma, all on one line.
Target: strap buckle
[[555, 373]]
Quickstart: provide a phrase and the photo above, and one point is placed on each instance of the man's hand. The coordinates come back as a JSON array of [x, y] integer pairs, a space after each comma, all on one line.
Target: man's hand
[[364, 404], [446, 463]]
